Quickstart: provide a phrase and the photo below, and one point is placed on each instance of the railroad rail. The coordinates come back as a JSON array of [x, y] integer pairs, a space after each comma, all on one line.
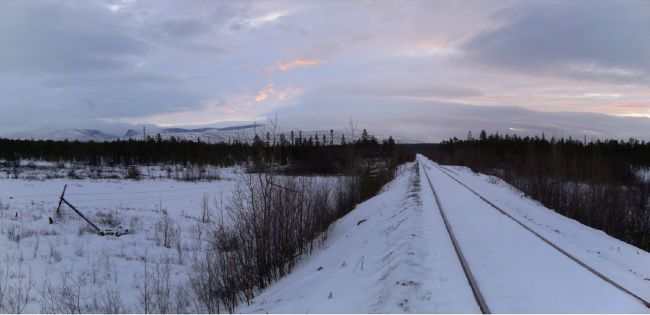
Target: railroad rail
[[478, 296], [477, 293]]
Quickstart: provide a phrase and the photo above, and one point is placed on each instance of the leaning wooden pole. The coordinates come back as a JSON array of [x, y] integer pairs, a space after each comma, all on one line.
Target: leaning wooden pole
[[81, 215], [58, 209]]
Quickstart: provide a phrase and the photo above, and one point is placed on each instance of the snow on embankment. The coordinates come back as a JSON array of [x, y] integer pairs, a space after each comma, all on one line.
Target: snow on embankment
[[517, 271], [626, 264], [384, 256]]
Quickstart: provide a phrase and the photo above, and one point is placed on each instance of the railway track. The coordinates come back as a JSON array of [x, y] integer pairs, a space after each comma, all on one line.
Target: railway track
[[476, 291], [466, 265]]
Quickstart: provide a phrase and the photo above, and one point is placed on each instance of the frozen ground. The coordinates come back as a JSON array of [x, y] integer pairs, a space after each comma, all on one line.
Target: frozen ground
[[393, 254], [516, 271], [68, 254], [44, 170], [643, 174], [384, 257], [626, 264]]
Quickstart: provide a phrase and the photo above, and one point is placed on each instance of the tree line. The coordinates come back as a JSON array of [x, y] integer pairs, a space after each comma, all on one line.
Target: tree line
[[298, 153], [293, 155]]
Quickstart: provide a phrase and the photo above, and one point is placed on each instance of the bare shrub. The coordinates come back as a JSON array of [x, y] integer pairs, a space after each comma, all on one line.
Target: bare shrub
[[162, 288], [180, 249], [4, 207], [269, 223], [111, 303], [55, 254], [166, 232], [4, 281], [16, 169], [36, 247], [13, 233], [207, 281], [65, 297], [157, 293], [15, 297], [135, 223], [196, 234], [85, 228], [145, 291], [72, 174], [27, 233], [182, 299], [206, 212], [195, 172], [132, 172], [109, 218]]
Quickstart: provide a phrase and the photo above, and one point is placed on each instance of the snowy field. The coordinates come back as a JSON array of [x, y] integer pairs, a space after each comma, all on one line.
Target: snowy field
[[106, 272], [44, 170], [643, 174]]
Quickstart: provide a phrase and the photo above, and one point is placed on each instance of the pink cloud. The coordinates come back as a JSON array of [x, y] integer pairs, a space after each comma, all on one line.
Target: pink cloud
[[295, 63]]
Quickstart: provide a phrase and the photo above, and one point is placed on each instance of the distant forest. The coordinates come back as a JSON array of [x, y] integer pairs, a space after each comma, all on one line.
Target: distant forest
[[597, 183], [370, 160], [297, 153]]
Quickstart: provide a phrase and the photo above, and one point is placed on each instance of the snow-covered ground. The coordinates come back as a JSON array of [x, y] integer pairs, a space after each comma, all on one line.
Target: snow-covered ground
[[642, 174], [621, 262], [393, 254], [66, 267], [516, 271], [384, 257], [69, 254], [46, 170]]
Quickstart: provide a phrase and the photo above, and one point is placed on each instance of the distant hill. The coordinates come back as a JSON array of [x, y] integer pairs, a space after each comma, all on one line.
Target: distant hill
[[63, 134], [244, 132]]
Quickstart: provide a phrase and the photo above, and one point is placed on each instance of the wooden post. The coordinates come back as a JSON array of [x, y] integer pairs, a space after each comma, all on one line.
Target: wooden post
[[81, 215], [58, 209]]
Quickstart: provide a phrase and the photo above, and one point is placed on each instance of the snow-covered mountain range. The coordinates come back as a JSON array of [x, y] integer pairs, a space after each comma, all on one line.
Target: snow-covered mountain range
[[63, 134], [242, 132]]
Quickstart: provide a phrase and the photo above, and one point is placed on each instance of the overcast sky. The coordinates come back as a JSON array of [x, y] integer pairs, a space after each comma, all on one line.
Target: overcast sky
[[420, 69]]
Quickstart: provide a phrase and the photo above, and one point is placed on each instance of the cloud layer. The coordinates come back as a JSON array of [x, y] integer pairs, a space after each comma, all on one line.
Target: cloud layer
[[428, 69], [600, 40]]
